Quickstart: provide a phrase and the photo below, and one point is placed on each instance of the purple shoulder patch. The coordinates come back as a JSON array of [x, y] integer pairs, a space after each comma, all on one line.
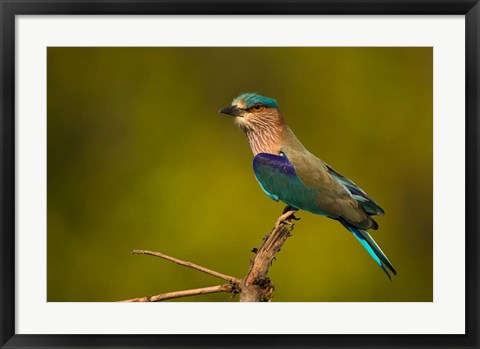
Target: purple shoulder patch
[[274, 162]]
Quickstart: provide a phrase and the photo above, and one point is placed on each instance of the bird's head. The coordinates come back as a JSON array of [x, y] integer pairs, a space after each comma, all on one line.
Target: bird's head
[[253, 112]]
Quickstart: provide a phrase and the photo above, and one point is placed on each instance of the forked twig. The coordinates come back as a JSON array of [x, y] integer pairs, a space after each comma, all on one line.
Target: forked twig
[[255, 287]]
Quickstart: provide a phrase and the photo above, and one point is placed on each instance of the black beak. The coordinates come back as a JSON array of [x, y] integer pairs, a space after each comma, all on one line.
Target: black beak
[[231, 110]]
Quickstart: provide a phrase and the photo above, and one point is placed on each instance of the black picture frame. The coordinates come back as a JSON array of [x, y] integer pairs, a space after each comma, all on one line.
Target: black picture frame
[[10, 8]]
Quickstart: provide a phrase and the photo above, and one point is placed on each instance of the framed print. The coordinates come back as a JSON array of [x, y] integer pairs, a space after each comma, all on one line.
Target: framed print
[[165, 163]]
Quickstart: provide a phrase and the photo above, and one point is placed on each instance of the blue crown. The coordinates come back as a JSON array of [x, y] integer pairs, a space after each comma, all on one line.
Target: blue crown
[[250, 99]]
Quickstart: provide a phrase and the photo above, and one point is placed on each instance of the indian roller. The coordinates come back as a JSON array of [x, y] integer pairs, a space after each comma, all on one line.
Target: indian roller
[[287, 171]]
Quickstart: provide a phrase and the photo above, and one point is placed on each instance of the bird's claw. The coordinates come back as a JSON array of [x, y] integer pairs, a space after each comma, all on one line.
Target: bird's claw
[[289, 208]]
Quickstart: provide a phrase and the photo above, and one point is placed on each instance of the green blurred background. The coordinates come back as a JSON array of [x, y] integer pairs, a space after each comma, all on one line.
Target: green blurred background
[[140, 158]]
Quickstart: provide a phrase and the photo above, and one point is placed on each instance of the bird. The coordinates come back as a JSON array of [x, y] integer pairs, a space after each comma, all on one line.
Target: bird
[[288, 172]]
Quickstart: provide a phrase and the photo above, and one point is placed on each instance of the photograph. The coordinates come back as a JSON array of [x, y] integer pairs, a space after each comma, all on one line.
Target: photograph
[[164, 163], [227, 174]]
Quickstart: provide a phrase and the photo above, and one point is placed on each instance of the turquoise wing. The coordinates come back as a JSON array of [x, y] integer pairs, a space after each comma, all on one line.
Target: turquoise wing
[[279, 180]]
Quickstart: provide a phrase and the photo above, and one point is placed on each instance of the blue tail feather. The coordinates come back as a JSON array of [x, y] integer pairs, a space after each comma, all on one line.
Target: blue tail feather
[[372, 248]]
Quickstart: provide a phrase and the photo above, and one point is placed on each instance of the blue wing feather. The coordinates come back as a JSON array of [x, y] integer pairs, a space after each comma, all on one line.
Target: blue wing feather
[[370, 206], [279, 180]]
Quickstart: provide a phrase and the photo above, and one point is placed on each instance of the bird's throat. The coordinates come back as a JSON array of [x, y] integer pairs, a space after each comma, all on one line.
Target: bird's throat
[[265, 140]]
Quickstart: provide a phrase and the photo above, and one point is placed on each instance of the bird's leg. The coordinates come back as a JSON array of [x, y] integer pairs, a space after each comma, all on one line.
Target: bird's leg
[[291, 208]]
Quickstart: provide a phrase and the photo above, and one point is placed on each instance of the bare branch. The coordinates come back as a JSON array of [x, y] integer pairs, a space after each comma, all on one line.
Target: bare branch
[[256, 286], [184, 293], [189, 264]]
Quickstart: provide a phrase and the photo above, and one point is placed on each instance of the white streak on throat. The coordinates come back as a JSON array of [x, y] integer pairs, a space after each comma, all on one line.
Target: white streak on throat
[[264, 140], [264, 131]]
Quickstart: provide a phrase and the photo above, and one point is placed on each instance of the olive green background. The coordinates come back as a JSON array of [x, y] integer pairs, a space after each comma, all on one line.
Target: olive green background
[[140, 158]]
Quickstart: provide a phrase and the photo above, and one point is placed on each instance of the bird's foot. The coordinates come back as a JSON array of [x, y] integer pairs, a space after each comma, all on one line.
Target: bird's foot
[[292, 209], [287, 216]]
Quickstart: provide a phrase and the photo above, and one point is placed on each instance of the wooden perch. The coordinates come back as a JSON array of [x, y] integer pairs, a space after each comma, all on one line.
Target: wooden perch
[[254, 287]]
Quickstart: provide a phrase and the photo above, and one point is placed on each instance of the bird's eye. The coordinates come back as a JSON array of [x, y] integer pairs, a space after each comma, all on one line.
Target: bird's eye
[[258, 107]]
